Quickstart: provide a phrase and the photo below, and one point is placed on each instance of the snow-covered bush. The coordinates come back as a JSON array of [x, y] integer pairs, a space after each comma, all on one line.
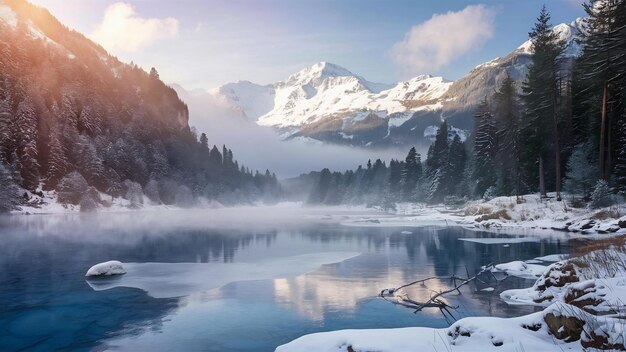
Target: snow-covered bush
[[151, 190], [71, 188], [134, 194], [601, 195], [490, 193], [581, 174]]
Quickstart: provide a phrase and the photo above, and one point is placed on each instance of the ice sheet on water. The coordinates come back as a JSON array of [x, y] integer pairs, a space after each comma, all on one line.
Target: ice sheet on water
[[552, 258], [164, 280], [501, 240]]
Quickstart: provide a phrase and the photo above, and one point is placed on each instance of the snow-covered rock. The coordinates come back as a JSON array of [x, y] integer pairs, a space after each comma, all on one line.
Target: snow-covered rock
[[520, 269], [112, 267]]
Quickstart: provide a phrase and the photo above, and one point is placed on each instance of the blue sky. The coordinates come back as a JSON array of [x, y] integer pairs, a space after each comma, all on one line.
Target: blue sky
[[202, 44]]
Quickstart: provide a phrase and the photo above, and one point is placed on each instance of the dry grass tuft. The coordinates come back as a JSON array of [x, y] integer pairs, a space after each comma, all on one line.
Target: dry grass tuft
[[500, 214], [477, 210], [606, 214]]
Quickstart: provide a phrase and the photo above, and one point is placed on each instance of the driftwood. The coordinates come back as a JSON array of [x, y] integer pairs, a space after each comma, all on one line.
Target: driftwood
[[396, 296]]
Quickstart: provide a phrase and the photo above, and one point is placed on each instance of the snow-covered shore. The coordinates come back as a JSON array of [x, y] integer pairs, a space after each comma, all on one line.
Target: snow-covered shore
[[584, 299], [522, 214]]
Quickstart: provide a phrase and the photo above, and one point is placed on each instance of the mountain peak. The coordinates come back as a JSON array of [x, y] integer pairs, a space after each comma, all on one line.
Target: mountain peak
[[566, 33], [319, 71]]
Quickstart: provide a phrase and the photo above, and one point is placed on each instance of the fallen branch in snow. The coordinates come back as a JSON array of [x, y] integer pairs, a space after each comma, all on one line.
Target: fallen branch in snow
[[435, 301]]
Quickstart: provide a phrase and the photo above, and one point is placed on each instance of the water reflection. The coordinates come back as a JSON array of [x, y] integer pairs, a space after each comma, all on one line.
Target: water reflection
[[46, 304]]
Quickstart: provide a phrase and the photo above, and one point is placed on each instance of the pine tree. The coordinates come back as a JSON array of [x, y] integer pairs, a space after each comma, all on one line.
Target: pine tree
[[204, 141], [57, 160], [604, 67], [90, 121], [456, 160], [411, 173], [395, 177], [90, 164], [506, 114], [436, 165], [26, 121], [7, 142], [484, 149], [540, 97]]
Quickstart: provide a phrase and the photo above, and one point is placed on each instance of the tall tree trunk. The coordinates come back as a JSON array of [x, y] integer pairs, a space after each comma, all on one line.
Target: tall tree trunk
[[557, 149], [542, 183], [603, 132], [608, 167]]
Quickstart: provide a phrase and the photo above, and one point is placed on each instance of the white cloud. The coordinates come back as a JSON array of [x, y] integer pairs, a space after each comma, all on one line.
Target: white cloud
[[437, 42], [122, 29]]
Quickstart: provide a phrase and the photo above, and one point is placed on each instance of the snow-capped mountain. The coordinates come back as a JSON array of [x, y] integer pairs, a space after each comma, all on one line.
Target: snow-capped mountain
[[329, 103]]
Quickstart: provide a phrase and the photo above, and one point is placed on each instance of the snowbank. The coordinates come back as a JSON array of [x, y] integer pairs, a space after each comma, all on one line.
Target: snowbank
[[584, 310], [533, 332], [109, 268]]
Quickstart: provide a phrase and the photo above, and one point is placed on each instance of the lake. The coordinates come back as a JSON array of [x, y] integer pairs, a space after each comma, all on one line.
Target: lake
[[231, 280]]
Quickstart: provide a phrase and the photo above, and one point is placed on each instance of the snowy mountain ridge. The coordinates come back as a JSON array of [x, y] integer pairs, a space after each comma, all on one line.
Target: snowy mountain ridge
[[330, 103]]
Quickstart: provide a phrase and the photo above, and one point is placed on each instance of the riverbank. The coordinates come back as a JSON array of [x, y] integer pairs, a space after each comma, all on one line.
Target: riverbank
[[583, 297], [524, 214]]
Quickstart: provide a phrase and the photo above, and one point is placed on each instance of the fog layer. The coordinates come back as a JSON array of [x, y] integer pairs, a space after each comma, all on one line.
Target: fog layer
[[262, 148]]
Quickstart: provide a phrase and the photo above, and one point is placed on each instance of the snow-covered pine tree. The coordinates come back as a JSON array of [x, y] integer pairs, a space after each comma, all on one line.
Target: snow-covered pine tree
[[7, 142], [57, 160], [604, 67], [540, 98], [581, 175], [69, 115], [484, 173], [26, 122], [90, 164], [437, 165], [457, 159], [411, 173], [395, 178], [90, 121], [506, 114]]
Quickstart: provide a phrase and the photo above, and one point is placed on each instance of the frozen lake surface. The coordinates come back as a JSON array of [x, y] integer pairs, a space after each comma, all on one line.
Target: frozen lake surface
[[227, 281]]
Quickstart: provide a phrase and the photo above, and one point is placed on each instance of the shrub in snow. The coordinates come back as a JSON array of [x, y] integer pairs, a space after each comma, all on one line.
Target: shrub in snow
[[151, 190], [109, 268], [601, 195], [134, 194], [71, 188], [581, 173], [490, 193], [184, 198], [8, 190]]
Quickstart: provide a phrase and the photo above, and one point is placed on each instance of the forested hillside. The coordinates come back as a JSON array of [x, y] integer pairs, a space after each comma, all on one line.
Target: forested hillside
[[562, 129], [76, 120]]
